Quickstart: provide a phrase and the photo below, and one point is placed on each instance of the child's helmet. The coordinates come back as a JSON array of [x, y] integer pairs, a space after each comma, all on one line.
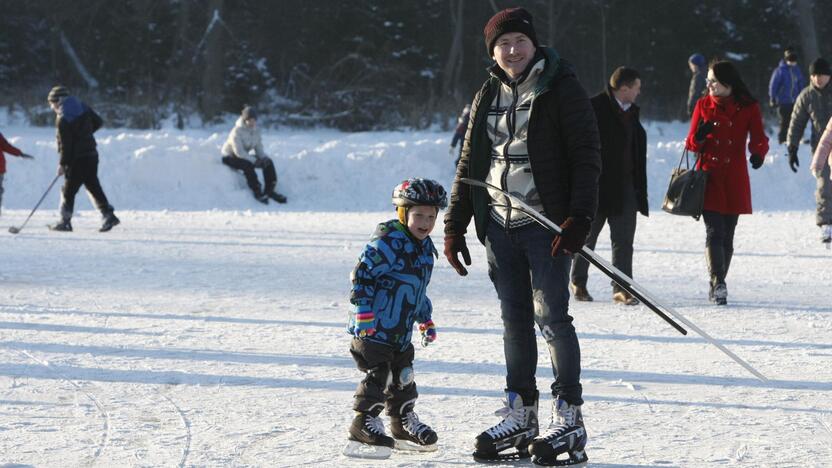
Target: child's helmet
[[418, 191]]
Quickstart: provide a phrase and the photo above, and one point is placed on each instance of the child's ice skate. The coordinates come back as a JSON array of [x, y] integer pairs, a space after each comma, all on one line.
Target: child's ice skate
[[410, 433], [367, 438]]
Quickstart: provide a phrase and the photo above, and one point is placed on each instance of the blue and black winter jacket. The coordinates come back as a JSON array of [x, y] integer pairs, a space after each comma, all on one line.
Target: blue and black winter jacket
[[391, 280], [787, 81]]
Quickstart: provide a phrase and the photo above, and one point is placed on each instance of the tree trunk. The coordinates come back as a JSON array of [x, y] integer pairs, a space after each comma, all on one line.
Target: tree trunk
[[806, 27], [212, 75], [453, 65]]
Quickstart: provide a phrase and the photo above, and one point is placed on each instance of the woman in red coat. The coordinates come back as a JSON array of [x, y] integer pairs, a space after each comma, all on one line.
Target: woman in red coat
[[723, 121]]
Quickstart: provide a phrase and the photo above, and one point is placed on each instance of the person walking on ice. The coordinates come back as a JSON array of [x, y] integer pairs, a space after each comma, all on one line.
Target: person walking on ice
[[76, 124], [389, 295], [244, 138]]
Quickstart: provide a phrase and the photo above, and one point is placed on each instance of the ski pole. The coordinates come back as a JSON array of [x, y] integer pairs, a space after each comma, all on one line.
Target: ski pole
[[15, 230], [631, 286]]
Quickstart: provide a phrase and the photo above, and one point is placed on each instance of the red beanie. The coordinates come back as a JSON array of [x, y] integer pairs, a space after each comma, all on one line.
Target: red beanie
[[506, 21]]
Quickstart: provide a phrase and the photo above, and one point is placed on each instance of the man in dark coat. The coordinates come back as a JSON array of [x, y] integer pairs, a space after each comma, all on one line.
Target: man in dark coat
[[532, 132], [76, 123], [623, 184], [698, 68]]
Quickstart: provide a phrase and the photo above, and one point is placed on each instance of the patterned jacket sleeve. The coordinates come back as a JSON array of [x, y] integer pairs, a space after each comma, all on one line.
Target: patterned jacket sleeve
[[425, 312], [372, 264], [824, 149], [8, 147]]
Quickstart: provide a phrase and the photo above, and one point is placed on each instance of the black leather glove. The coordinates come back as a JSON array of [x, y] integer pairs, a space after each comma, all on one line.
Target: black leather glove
[[756, 161], [26, 156], [702, 131], [573, 233], [793, 162], [455, 245]]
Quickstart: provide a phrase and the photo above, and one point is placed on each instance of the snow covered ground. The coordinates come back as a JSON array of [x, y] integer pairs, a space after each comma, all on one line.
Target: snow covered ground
[[207, 330]]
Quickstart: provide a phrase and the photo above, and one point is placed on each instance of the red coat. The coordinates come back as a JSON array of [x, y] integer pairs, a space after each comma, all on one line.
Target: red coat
[[728, 190], [7, 147]]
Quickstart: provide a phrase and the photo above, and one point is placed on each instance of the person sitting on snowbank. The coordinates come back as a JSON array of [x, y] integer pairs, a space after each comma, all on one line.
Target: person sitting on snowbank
[[6, 147], [245, 137]]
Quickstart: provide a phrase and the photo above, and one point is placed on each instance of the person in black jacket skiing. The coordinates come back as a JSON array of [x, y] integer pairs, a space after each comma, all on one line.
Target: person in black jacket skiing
[[76, 123], [623, 188], [532, 132]]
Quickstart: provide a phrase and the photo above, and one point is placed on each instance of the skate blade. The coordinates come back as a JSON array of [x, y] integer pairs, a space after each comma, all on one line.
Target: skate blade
[[500, 457], [578, 460], [355, 449], [408, 446]]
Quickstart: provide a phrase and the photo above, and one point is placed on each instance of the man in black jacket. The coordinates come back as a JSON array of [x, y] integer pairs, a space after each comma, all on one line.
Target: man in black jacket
[[76, 123], [532, 132], [623, 187]]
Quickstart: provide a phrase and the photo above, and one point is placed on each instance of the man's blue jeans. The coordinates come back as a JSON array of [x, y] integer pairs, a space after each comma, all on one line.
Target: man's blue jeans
[[533, 288]]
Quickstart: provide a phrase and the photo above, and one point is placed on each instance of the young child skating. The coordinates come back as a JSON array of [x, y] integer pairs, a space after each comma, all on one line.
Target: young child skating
[[6, 147], [388, 295]]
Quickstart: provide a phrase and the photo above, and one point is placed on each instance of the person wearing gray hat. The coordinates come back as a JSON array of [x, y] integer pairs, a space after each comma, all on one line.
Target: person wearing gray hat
[[76, 124], [814, 103], [243, 139]]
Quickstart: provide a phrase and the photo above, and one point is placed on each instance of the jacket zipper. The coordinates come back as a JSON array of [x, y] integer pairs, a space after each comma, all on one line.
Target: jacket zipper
[[511, 120]]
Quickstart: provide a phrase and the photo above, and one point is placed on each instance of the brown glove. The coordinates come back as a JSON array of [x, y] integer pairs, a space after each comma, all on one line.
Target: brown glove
[[453, 246], [572, 236]]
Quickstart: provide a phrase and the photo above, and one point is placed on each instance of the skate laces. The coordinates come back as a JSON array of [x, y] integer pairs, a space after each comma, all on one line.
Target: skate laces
[[512, 419], [413, 425], [374, 424], [563, 419]]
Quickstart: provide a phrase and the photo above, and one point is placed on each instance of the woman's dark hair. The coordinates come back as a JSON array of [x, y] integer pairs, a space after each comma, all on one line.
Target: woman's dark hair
[[727, 74]]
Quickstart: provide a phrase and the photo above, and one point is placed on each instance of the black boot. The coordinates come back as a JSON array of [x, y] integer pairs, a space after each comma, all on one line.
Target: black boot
[[63, 226], [716, 259], [276, 197], [110, 221]]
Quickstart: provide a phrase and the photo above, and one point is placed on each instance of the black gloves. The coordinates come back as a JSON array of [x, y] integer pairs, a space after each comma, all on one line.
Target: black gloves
[[702, 131], [455, 245], [793, 162], [572, 235], [756, 161], [26, 156]]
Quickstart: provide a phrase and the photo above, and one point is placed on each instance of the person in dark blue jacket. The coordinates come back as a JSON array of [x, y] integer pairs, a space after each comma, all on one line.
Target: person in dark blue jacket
[[389, 286], [76, 123], [787, 81], [698, 68]]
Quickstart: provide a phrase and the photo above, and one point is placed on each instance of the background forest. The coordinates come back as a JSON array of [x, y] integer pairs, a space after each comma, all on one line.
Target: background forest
[[366, 64]]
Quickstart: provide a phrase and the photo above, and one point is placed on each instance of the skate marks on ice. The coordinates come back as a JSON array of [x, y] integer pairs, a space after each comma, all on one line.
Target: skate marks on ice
[[137, 423]]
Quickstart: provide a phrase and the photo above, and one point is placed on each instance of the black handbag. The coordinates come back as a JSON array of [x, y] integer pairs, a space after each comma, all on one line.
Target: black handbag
[[686, 191]]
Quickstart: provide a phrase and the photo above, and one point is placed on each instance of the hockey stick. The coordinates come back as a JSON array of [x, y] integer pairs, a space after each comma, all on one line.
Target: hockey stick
[[623, 280], [15, 230]]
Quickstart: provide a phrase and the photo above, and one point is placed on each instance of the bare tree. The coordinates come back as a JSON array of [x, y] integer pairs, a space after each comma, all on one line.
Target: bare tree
[[806, 26]]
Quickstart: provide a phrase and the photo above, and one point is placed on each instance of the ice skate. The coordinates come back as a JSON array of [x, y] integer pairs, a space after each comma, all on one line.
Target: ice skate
[[367, 438], [565, 438], [516, 430], [276, 197], [410, 433]]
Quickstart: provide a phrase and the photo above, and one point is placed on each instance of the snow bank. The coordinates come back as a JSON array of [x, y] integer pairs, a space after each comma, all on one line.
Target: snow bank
[[319, 170]]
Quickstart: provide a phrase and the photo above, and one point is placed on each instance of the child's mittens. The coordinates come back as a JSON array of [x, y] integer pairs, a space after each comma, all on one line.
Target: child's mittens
[[428, 331], [365, 324]]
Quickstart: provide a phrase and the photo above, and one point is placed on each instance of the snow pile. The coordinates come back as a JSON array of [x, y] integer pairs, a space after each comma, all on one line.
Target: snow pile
[[320, 170]]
